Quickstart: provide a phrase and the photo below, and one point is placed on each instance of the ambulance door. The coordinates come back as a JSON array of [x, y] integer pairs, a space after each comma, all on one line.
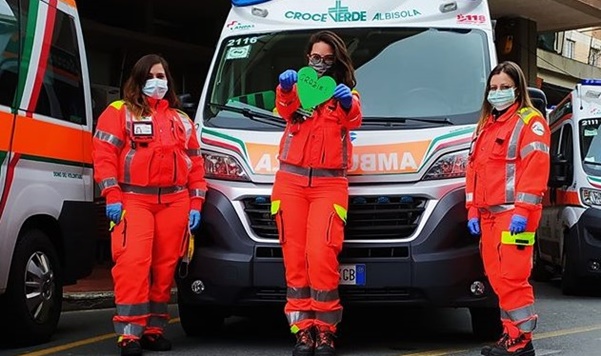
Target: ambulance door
[[9, 74]]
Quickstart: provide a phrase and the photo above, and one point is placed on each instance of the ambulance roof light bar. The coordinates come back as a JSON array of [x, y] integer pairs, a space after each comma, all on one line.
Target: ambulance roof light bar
[[591, 82], [241, 3]]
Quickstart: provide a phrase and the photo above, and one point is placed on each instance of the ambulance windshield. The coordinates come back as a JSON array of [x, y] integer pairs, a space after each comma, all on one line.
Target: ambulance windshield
[[590, 146], [401, 73]]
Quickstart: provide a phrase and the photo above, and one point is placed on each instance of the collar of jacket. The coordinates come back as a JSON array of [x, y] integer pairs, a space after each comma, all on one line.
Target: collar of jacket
[[506, 114], [157, 104]]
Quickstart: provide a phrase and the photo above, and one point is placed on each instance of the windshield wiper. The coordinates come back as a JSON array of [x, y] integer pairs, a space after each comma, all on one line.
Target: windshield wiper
[[252, 115], [394, 120], [592, 163]]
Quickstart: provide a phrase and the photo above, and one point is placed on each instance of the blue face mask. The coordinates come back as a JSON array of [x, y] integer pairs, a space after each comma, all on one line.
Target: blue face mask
[[155, 88], [501, 99]]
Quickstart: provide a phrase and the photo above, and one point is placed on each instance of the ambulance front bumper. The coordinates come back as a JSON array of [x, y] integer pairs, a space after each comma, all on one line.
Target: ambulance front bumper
[[441, 267]]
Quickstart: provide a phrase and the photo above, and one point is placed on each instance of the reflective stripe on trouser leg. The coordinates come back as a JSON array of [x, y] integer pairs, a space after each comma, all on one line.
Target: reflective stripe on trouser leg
[[171, 224], [524, 318], [291, 219], [325, 234], [159, 316], [128, 317], [131, 247]]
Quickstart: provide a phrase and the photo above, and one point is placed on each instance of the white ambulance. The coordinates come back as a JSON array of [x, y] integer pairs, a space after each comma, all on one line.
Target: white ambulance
[[569, 235], [47, 225], [421, 69]]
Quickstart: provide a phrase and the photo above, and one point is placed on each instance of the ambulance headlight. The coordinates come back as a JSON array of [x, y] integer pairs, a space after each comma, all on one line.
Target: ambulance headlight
[[451, 165], [224, 167], [590, 196]]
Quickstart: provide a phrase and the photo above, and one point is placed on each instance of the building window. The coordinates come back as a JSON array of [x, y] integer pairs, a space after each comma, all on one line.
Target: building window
[[569, 49], [593, 56]]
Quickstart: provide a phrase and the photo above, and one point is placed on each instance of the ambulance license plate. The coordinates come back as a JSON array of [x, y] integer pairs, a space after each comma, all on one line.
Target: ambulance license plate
[[353, 275]]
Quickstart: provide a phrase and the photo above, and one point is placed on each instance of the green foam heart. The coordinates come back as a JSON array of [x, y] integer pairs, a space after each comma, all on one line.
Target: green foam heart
[[312, 90]]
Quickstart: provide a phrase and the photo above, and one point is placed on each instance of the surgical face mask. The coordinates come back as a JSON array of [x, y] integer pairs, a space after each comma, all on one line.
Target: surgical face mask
[[155, 88], [501, 99]]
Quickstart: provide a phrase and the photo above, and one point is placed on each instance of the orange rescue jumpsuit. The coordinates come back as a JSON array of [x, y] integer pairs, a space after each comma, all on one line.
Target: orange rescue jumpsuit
[[309, 201], [158, 178], [507, 174]]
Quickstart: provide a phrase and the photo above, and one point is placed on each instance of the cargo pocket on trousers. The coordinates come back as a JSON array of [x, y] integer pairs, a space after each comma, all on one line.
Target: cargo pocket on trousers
[[276, 213], [516, 262], [335, 229], [119, 239]]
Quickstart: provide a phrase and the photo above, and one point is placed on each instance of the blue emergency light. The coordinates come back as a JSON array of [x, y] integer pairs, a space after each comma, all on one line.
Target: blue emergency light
[[241, 3], [590, 82]]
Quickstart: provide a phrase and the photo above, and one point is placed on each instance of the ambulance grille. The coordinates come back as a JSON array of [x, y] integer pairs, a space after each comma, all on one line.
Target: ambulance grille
[[369, 218]]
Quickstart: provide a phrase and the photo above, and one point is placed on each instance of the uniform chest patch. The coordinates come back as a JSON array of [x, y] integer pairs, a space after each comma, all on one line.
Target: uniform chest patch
[[538, 128]]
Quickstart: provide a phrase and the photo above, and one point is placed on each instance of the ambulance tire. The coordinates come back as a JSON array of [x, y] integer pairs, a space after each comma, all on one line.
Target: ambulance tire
[[571, 284], [200, 320], [540, 270], [486, 323], [32, 303]]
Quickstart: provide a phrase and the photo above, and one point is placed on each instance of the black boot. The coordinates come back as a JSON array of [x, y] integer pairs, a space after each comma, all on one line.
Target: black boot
[[519, 346], [324, 345], [129, 347], [155, 342], [305, 343]]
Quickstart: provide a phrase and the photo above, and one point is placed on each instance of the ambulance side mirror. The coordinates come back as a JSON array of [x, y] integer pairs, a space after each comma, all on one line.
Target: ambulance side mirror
[[188, 104], [561, 172]]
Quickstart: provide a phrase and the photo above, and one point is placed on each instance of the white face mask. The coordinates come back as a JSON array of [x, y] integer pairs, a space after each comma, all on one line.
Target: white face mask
[[155, 88]]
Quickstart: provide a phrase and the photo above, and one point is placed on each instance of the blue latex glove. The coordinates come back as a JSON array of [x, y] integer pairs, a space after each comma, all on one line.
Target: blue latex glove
[[518, 224], [114, 211], [194, 219], [343, 94], [474, 226], [287, 79]]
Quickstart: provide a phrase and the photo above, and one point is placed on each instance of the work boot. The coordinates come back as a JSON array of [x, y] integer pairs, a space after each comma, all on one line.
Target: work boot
[[486, 349], [305, 343], [519, 346], [155, 342], [129, 346], [324, 345]]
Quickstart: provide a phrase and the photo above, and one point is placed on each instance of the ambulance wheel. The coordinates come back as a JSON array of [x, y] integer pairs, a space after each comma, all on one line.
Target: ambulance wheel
[[32, 303], [570, 283], [540, 270], [200, 320], [486, 323]]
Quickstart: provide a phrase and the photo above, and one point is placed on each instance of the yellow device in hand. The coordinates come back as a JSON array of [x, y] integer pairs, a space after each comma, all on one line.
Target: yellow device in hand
[[112, 224]]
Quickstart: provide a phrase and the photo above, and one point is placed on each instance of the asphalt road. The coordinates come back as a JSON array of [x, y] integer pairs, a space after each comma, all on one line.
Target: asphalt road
[[567, 326]]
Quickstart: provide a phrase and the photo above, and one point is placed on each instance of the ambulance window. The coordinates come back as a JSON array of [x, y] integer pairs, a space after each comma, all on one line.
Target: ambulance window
[[555, 142], [567, 147], [8, 51], [61, 95]]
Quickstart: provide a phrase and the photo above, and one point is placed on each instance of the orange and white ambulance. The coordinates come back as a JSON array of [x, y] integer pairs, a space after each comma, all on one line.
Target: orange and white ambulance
[[421, 69], [47, 209], [568, 240]]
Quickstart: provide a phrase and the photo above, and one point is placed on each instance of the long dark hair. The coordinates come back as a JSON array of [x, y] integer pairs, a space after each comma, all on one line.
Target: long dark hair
[[522, 97], [342, 70], [132, 90]]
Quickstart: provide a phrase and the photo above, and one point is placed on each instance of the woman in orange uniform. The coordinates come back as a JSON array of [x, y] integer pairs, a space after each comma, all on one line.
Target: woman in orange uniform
[[147, 162], [310, 194], [507, 175]]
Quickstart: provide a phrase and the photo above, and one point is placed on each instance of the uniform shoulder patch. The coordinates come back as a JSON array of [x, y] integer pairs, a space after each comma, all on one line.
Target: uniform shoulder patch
[[538, 128]]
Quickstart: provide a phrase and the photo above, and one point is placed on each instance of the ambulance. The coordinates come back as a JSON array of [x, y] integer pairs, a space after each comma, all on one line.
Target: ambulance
[[569, 236], [421, 69], [47, 224]]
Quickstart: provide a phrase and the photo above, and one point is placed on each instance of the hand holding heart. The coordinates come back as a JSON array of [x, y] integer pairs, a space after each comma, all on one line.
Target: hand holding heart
[[287, 79]]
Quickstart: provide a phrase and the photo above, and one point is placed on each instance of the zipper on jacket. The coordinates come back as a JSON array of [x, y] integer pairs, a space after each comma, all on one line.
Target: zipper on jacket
[[174, 167]]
